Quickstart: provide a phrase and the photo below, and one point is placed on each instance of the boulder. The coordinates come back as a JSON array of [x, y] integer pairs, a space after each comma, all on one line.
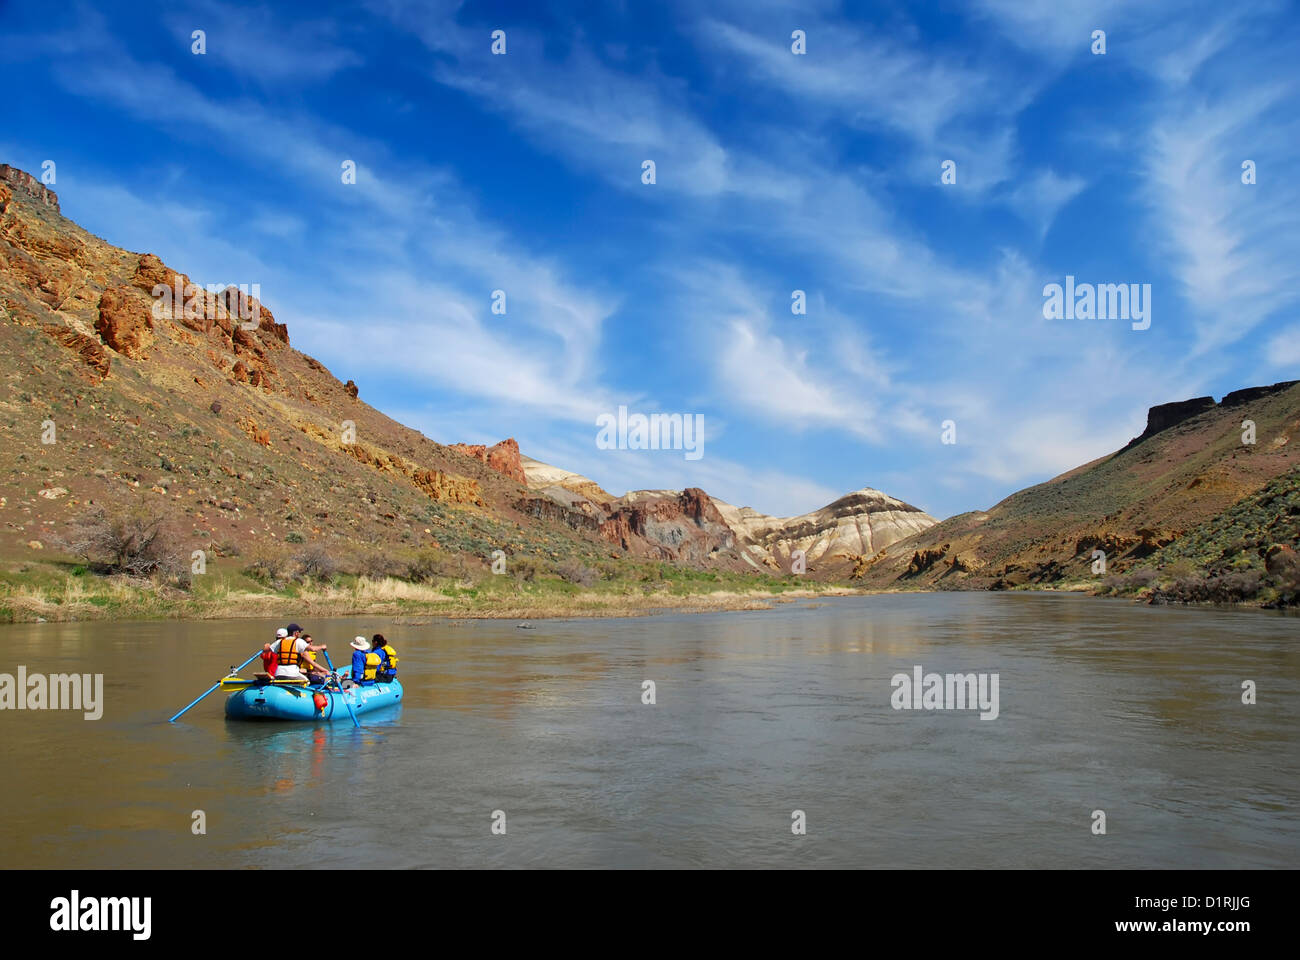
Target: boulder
[[125, 321]]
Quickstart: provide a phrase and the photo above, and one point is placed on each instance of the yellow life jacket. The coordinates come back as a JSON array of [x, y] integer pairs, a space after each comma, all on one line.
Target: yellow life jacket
[[311, 655], [287, 656], [372, 664], [392, 657]]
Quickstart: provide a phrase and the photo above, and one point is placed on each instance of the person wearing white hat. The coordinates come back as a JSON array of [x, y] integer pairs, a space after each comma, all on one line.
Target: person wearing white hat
[[288, 654], [364, 663]]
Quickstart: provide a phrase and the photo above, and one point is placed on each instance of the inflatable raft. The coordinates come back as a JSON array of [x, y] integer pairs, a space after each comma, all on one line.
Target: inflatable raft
[[274, 700]]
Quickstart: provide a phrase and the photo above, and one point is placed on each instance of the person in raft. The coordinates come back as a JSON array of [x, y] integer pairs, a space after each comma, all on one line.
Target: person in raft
[[365, 662], [268, 656], [387, 670], [290, 655], [315, 668]]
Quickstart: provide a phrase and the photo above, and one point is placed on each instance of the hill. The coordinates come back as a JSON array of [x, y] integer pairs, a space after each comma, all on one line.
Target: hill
[[1187, 468]]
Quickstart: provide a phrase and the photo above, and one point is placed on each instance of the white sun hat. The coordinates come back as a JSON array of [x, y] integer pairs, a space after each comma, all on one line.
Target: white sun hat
[[281, 633], [361, 643]]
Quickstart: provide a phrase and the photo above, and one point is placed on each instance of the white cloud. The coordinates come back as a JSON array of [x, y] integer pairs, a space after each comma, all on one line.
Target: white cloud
[[1233, 246], [1283, 349], [1042, 196], [262, 46]]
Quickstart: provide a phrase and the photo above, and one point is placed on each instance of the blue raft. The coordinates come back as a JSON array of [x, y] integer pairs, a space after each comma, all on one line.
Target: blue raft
[[282, 701]]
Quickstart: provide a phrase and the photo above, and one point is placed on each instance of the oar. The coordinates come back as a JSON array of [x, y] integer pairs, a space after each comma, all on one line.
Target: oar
[[342, 693], [217, 684]]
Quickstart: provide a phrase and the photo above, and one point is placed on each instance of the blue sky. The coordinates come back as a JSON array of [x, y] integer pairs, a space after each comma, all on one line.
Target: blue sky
[[774, 172]]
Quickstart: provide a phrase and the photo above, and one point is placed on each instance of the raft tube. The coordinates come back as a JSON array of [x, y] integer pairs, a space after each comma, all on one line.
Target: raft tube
[[271, 701]]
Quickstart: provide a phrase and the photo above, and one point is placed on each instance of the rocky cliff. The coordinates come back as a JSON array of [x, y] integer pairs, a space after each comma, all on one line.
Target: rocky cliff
[[29, 186], [1165, 415]]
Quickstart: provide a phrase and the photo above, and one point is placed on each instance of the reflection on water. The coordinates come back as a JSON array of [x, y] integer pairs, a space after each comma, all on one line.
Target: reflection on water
[[1104, 705]]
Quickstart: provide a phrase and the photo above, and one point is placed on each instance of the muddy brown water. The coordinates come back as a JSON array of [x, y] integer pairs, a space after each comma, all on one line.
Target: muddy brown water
[[1103, 705]]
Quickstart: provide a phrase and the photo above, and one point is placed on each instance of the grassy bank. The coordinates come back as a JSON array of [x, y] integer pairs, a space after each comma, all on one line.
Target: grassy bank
[[56, 590]]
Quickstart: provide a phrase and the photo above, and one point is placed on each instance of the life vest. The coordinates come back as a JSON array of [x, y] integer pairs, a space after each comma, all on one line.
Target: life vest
[[289, 657], [372, 665], [389, 669]]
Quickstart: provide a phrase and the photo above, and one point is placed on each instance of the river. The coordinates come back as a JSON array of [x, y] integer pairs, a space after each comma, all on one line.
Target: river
[[1103, 705]]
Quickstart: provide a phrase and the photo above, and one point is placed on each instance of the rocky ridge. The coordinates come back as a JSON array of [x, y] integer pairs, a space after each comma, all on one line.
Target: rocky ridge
[[1189, 466]]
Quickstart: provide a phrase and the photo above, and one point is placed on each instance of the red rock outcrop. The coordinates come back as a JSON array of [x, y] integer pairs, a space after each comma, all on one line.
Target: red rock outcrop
[[91, 351], [24, 182], [923, 560], [618, 529], [502, 457], [250, 314], [686, 526], [151, 272], [125, 321]]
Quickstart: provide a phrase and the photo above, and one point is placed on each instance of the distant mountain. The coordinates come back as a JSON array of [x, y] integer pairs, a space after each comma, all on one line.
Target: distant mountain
[[1187, 467], [692, 524], [543, 476], [858, 524]]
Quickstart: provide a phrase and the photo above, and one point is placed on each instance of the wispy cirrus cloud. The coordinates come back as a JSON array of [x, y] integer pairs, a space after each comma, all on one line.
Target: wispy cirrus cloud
[[271, 50], [1234, 246]]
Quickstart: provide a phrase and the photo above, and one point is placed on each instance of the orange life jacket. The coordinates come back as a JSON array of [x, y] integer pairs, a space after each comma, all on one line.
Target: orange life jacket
[[289, 657]]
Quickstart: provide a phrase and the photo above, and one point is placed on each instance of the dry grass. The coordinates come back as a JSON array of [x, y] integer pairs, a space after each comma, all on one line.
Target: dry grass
[[78, 598]]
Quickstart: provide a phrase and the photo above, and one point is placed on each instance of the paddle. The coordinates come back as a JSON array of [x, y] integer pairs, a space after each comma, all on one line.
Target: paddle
[[342, 693], [217, 684]]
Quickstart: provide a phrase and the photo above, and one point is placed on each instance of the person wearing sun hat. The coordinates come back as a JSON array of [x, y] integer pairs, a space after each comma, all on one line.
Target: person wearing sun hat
[[364, 663]]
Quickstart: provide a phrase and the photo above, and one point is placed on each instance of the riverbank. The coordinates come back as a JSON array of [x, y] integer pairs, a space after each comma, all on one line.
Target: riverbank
[[58, 591], [61, 592]]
